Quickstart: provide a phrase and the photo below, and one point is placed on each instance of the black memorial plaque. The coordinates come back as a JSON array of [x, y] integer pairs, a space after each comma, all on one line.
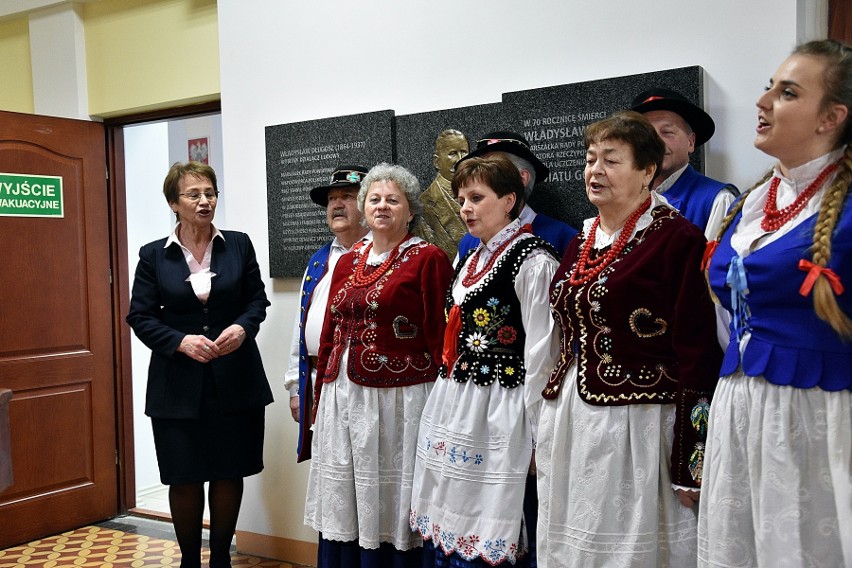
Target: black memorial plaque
[[416, 134], [302, 155], [553, 120]]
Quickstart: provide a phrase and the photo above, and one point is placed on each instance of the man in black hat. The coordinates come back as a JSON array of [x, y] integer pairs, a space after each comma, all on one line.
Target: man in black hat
[[345, 220], [532, 170], [684, 127]]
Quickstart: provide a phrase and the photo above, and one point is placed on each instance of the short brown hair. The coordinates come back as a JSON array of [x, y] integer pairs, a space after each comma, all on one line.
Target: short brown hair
[[494, 170], [633, 129], [176, 173]]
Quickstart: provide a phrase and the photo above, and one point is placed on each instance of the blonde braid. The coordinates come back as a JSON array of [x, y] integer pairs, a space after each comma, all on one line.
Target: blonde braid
[[726, 222], [825, 302]]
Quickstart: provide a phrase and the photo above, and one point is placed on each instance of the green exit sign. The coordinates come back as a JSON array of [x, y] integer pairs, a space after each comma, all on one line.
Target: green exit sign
[[30, 195]]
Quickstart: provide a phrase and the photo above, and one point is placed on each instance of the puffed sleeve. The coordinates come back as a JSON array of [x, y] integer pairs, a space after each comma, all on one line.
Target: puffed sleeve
[[541, 350]]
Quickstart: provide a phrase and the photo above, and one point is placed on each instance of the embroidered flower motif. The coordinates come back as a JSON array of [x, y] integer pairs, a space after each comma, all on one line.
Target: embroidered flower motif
[[439, 448], [492, 302], [477, 459], [484, 369], [495, 550], [507, 334], [700, 415], [373, 304], [481, 317], [606, 358], [595, 306], [383, 358], [447, 539], [453, 454], [464, 366], [477, 342], [510, 371], [696, 463]]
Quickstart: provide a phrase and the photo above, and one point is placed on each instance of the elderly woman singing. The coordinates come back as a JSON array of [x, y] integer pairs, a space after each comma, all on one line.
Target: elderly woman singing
[[379, 355], [625, 414]]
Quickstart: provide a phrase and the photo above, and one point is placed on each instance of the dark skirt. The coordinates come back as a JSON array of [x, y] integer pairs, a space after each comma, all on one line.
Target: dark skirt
[[216, 445], [335, 554]]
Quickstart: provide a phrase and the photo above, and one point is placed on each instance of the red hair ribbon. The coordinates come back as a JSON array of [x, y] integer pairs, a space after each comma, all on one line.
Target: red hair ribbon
[[814, 271], [451, 338], [708, 254]]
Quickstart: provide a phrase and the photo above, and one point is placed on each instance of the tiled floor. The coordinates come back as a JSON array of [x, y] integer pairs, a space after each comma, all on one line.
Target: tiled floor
[[128, 541]]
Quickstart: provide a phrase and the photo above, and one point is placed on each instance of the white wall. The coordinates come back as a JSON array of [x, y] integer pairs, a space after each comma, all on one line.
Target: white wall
[[150, 149], [148, 218], [291, 61]]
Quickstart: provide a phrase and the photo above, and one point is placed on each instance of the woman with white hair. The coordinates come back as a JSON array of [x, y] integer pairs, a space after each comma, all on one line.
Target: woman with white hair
[[379, 355]]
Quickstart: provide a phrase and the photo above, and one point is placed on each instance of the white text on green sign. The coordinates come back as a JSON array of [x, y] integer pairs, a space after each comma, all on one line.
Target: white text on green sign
[[30, 195]]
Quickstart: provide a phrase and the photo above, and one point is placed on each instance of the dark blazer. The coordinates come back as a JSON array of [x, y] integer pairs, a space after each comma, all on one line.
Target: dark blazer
[[164, 308]]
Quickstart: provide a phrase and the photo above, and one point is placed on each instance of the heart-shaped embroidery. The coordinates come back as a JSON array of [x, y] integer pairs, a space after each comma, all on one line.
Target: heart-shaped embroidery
[[642, 325], [404, 329]]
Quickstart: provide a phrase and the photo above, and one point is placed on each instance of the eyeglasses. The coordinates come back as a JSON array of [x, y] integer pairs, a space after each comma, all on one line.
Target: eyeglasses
[[198, 196]]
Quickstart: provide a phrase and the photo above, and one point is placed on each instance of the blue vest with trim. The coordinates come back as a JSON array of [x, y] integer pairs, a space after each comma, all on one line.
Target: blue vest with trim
[[317, 266], [693, 195], [789, 344]]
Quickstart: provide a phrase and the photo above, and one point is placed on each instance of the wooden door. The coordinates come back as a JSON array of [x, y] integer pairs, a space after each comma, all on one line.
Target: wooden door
[[57, 334]]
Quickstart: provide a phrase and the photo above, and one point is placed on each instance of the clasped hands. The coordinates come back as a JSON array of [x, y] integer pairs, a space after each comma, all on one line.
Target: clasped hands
[[204, 350]]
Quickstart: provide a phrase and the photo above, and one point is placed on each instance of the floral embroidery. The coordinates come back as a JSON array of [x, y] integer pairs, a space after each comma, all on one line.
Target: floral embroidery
[[484, 369], [464, 366], [477, 342], [696, 463], [492, 302], [495, 550], [469, 547], [440, 448], [510, 371], [507, 334], [700, 415], [454, 454], [481, 317]]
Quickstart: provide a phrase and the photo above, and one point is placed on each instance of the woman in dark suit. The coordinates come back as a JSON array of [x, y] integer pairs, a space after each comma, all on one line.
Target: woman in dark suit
[[197, 303]]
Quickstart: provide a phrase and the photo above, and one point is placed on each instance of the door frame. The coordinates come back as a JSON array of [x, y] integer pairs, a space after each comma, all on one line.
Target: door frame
[[114, 132]]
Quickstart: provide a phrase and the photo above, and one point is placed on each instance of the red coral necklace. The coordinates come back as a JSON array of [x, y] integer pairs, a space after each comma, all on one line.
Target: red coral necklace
[[471, 277], [774, 218], [360, 280], [587, 268]]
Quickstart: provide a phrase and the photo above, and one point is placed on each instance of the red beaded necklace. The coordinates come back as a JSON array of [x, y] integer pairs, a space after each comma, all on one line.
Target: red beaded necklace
[[587, 268], [471, 277], [360, 280], [774, 218]]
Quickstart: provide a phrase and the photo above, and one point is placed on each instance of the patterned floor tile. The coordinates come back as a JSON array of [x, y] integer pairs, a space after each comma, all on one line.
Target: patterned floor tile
[[106, 548]]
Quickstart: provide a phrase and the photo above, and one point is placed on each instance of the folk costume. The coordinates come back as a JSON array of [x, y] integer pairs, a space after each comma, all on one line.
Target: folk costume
[[316, 283], [379, 356], [301, 374], [624, 419], [778, 489], [478, 428], [701, 199]]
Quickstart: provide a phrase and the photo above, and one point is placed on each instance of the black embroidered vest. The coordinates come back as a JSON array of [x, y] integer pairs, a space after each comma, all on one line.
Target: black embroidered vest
[[491, 340]]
